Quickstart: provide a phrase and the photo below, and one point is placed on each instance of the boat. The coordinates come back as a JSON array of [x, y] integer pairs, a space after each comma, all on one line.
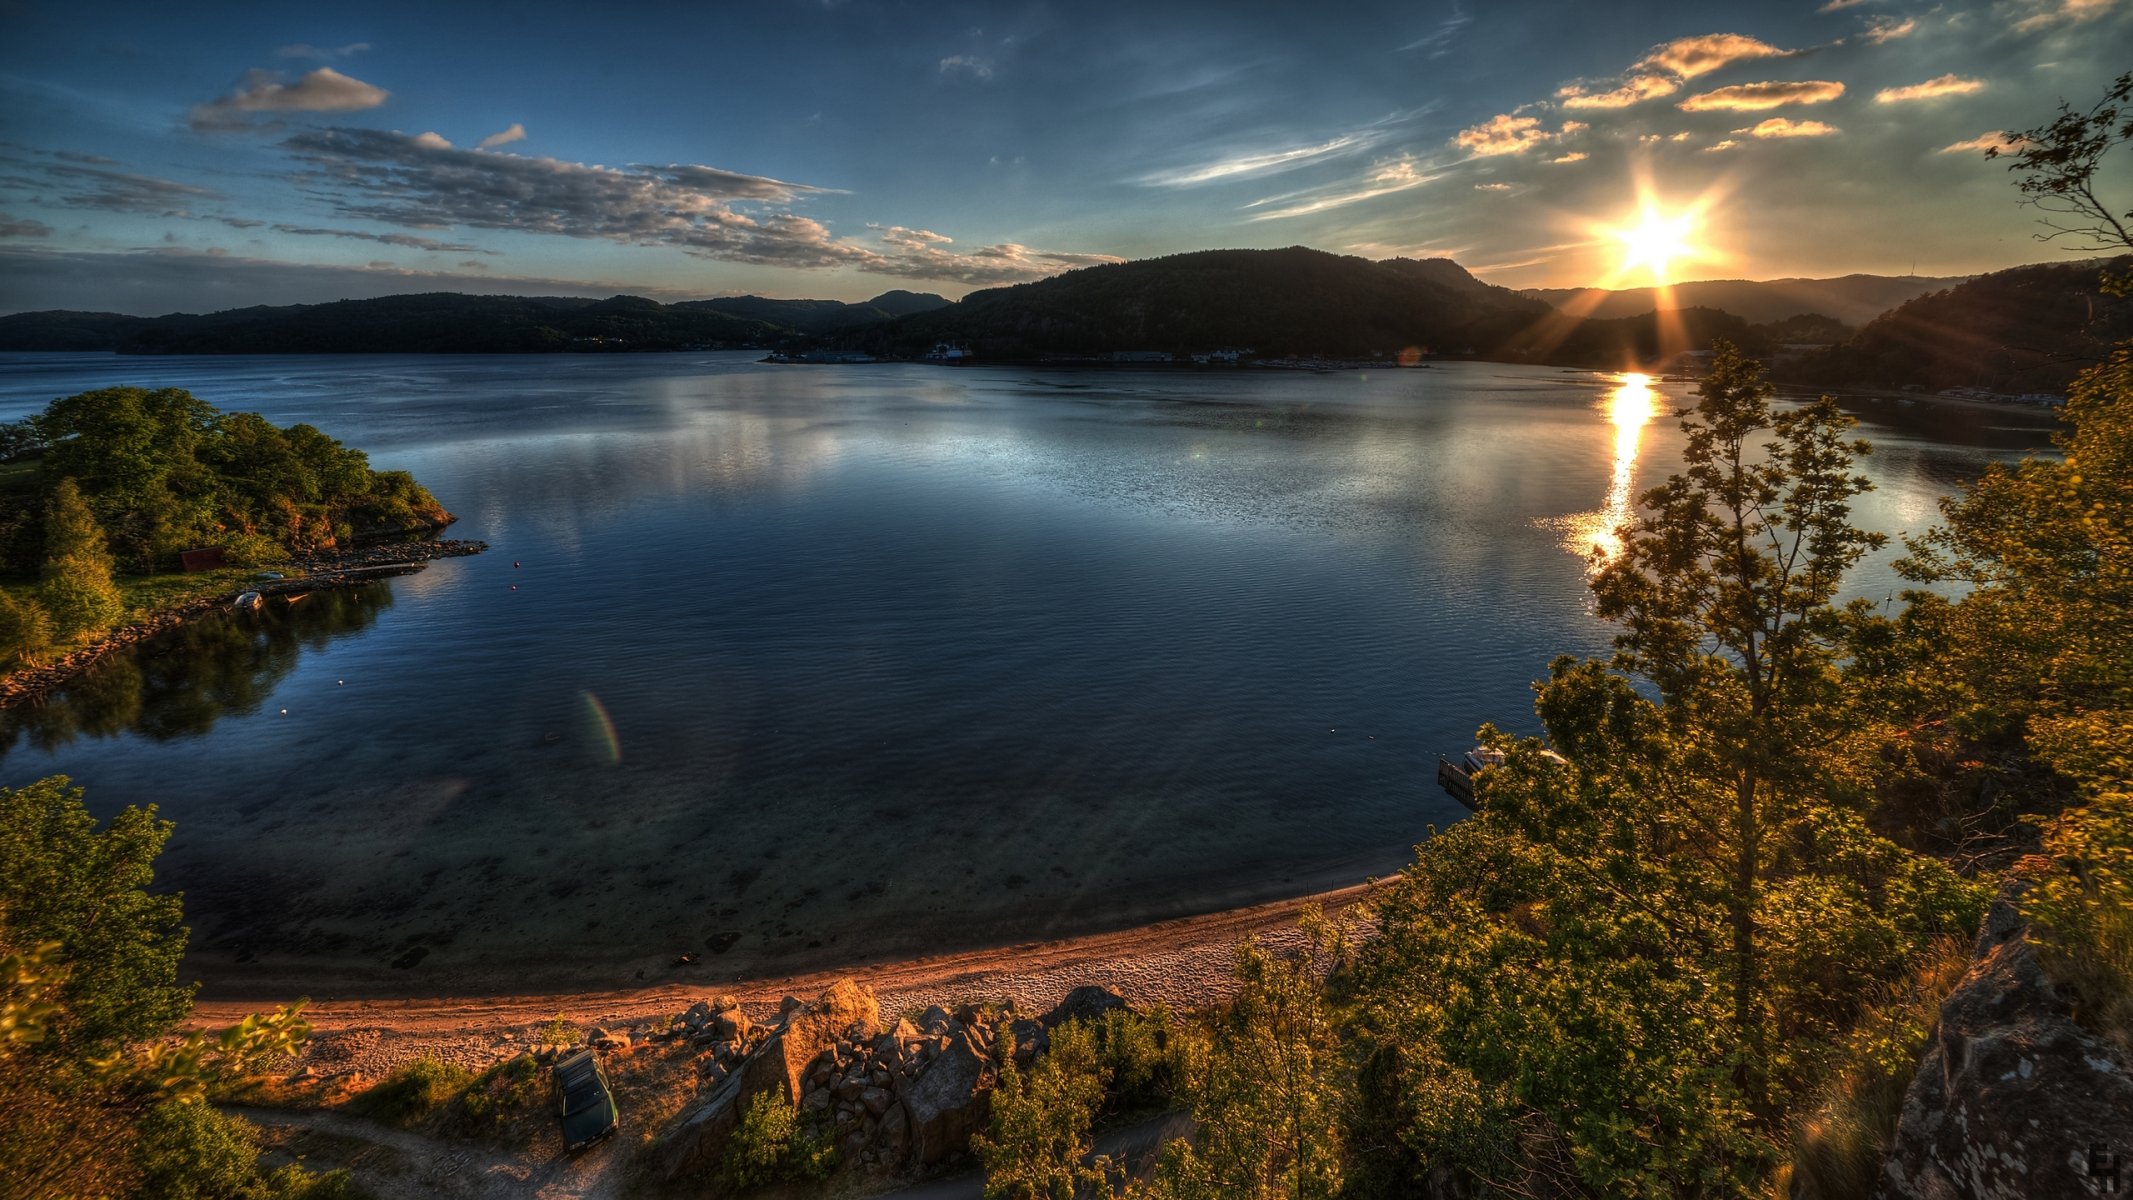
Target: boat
[[1458, 777], [948, 353]]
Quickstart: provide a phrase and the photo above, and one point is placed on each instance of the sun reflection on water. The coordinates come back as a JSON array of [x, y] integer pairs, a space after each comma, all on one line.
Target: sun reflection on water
[[1594, 535]]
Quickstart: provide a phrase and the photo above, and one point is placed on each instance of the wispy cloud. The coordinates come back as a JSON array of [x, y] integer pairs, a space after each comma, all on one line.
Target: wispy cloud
[[2045, 13], [1396, 176], [78, 185], [1446, 30], [321, 90], [23, 227], [1715, 147], [411, 241], [1509, 133], [1835, 5], [1888, 29], [1785, 127], [1985, 141], [321, 53], [503, 137], [1634, 90], [1262, 161], [1754, 97], [1574, 156], [1931, 89], [966, 64]]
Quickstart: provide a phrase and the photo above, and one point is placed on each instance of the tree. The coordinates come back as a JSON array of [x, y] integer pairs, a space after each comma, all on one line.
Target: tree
[[1038, 1145], [96, 1095], [1725, 588], [77, 589], [2058, 162], [1270, 1089]]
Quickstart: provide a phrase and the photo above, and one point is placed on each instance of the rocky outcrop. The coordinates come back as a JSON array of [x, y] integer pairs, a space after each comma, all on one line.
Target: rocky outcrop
[[1086, 1003], [2014, 1100]]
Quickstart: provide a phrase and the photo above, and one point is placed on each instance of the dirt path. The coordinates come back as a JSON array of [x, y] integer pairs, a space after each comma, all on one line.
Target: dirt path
[[1183, 963]]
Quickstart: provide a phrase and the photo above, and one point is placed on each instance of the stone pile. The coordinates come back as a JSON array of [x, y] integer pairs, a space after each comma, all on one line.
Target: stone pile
[[894, 1096]]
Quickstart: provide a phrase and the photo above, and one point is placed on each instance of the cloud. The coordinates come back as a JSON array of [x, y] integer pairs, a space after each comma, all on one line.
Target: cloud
[[432, 141], [2051, 12], [1727, 144], [1445, 31], [1986, 141], [320, 90], [1888, 29], [1784, 127], [1247, 164], [1692, 56], [1754, 97], [409, 240], [1506, 134], [1665, 67], [708, 212], [1494, 187], [503, 137], [1931, 89], [23, 227], [322, 53], [1649, 138], [966, 64], [1634, 90], [1835, 5], [1573, 156], [1396, 176], [922, 254], [237, 222], [79, 186], [474, 264]]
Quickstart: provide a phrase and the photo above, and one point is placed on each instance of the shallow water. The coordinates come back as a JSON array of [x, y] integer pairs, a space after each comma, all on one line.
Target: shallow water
[[788, 666]]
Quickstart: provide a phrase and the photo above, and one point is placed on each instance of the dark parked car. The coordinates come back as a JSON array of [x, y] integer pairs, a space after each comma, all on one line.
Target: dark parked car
[[585, 1104]]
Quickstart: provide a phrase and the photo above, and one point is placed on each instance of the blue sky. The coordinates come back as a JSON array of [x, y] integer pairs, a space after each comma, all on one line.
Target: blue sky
[[192, 157]]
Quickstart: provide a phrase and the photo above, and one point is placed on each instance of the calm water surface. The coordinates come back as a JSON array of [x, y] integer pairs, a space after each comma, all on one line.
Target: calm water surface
[[789, 666]]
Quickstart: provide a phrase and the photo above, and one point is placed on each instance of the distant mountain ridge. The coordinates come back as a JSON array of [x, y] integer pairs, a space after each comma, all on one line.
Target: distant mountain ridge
[[1852, 299], [2026, 329], [447, 322], [1275, 302]]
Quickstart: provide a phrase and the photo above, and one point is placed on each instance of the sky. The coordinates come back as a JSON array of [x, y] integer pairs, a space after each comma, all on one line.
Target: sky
[[164, 157]]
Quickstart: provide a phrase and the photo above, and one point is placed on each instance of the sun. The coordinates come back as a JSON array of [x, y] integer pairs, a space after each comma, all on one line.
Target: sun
[[1656, 240]]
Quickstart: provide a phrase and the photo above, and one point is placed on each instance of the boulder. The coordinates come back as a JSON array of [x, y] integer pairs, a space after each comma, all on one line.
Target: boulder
[[731, 1025], [2013, 1099], [1031, 1039], [780, 1064], [1086, 1003], [950, 1101], [934, 1020], [697, 1014]]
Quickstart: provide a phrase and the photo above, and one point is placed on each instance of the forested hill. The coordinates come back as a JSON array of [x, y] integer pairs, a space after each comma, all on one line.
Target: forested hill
[[2029, 329], [1293, 301], [1852, 299], [448, 322]]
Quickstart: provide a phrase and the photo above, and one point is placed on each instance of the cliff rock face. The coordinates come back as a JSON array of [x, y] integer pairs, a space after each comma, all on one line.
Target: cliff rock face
[[2014, 1100]]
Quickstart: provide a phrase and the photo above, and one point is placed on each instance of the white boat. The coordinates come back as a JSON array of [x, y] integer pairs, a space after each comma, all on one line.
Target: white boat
[[1458, 777], [948, 353]]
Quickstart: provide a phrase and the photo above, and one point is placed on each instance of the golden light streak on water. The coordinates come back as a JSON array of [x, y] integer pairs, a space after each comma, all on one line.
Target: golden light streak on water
[[1594, 536]]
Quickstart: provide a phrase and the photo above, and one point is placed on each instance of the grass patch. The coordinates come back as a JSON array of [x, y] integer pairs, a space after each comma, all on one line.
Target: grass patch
[[498, 1094], [1840, 1142], [412, 1092]]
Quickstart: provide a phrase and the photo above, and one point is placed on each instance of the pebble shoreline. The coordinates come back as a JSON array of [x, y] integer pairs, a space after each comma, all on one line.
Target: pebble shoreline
[[324, 569]]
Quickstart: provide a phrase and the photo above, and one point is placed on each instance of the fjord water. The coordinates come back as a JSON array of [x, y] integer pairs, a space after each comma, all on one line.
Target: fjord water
[[797, 666]]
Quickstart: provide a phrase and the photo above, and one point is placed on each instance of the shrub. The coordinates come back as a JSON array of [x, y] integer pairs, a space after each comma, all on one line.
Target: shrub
[[558, 1034], [191, 1151], [773, 1145], [1143, 1057], [505, 1087], [25, 629], [1038, 1144], [412, 1092]]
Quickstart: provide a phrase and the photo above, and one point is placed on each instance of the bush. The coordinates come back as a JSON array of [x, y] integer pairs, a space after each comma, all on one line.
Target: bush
[[412, 1092], [295, 1183], [1143, 1056], [773, 1145], [1038, 1142], [25, 629], [190, 1151], [505, 1087]]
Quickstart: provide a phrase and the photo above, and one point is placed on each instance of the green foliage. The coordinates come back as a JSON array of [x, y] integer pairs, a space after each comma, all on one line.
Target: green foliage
[[1269, 1089], [412, 1091], [190, 1151], [65, 879], [2058, 163], [77, 590], [162, 471], [499, 1092], [1142, 1056], [559, 1034], [1038, 1145], [772, 1145], [25, 629]]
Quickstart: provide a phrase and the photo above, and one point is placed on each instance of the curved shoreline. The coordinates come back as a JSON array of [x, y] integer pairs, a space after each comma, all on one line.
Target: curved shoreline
[[328, 569], [1184, 963]]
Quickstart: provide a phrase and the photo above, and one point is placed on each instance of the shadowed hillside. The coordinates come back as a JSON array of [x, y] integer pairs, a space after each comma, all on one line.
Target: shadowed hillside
[[1852, 299]]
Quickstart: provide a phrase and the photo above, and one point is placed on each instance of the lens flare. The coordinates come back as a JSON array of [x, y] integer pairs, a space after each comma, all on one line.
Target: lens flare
[[603, 728]]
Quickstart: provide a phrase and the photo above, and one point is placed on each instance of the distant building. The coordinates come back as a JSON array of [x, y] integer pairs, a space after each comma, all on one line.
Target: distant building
[[1140, 356]]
